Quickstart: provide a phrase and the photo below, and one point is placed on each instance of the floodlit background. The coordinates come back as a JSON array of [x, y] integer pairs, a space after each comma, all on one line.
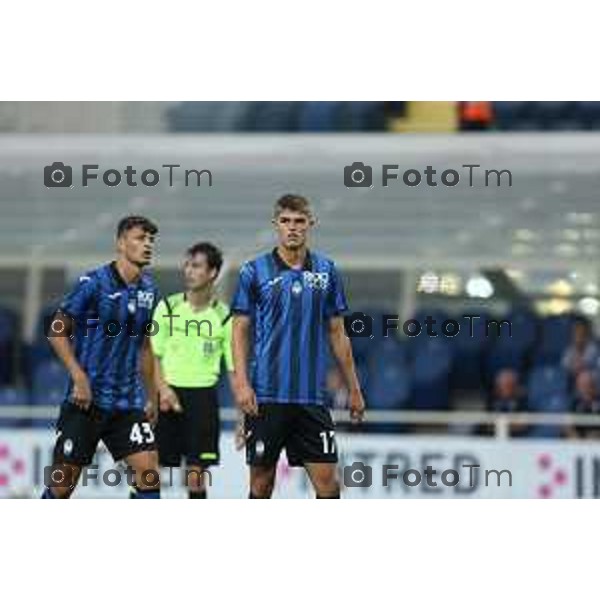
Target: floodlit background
[[526, 252]]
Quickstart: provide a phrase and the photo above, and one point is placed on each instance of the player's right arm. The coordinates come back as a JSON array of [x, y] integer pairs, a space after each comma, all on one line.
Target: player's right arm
[[241, 307], [243, 391], [72, 309]]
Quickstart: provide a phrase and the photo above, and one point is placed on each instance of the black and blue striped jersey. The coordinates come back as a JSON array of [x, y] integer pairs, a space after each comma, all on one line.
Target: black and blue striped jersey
[[290, 309], [110, 323]]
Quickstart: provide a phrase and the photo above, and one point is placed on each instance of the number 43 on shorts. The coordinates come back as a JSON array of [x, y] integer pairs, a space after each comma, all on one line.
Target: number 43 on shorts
[[141, 433]]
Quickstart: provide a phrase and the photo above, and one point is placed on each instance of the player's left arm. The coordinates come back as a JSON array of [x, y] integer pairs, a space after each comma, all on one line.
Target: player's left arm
[[342, 350], [147, 369]]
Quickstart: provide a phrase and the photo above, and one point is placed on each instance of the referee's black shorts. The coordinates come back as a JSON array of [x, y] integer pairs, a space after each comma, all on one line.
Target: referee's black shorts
[[193, 434]]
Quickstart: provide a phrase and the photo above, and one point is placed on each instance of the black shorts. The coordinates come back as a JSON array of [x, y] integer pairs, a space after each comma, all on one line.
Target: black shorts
[[79, 431], [192, 434], [306, 432]]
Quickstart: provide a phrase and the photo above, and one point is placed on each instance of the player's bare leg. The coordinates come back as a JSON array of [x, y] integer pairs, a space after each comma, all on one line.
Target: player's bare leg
[[262, 481], [196, 484], [70, 473], [324, 478], [146, 473]]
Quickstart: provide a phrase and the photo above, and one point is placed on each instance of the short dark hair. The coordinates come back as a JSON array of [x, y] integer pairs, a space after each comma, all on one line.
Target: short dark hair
[[214, 257], [293, 202], [127, 223]]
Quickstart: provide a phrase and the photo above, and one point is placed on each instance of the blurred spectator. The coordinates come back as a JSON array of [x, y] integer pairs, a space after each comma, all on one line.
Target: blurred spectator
[[509, 397], [475, 116], [582, 353], [587, 402]]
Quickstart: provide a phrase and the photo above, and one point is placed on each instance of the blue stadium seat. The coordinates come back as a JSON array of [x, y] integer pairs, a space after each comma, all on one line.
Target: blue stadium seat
[[469, 353], [362, 116], [558, 402], [389, 387], [431, 375], [8, 324], [13, 396], [319, 116], [588, 113], [387, 350], [49, 377], [525, 327], [34, 355], [273, 116], [505, 354], [8, 341], [511, 115], [555, 337], [512, 351], [204, 116], [546, 388], [551, 114], [547, 392]]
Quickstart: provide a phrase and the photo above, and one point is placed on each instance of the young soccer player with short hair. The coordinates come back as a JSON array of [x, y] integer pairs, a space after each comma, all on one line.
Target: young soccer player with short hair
[[106, 314], [294, 300]]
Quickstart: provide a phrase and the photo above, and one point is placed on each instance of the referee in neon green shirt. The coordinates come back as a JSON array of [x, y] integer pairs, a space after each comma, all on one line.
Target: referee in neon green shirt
[[193, 338]]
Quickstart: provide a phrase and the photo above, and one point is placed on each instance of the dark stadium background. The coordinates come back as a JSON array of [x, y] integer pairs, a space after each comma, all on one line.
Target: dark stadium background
[[527, 253]]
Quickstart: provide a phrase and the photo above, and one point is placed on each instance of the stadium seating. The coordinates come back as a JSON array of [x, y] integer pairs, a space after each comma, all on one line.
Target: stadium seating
[[565, 116], [513, 351], [546, 385], [431, 371], [362, 116], [319, 116], [49, 377], [469, 354], [16, 397], [8, 340], [272, 116], [206, 116], [555, 335]]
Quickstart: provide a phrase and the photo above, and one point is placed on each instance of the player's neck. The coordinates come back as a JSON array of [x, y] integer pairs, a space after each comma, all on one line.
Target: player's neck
[[294, 257], [199, 299], [128, 271]]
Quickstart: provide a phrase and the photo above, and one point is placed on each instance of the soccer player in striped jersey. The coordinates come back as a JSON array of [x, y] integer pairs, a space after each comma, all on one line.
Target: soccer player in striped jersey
[[106, 315], [293, 300]]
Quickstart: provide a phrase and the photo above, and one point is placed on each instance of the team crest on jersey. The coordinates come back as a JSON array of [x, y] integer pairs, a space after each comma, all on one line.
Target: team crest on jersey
[[131, 306], [145, 299], [68, 447], [316, 281], [259, 447], [296, 288]]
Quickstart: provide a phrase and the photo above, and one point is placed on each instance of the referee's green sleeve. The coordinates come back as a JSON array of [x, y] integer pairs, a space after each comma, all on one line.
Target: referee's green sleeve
[[228, 346], [159, 340]]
